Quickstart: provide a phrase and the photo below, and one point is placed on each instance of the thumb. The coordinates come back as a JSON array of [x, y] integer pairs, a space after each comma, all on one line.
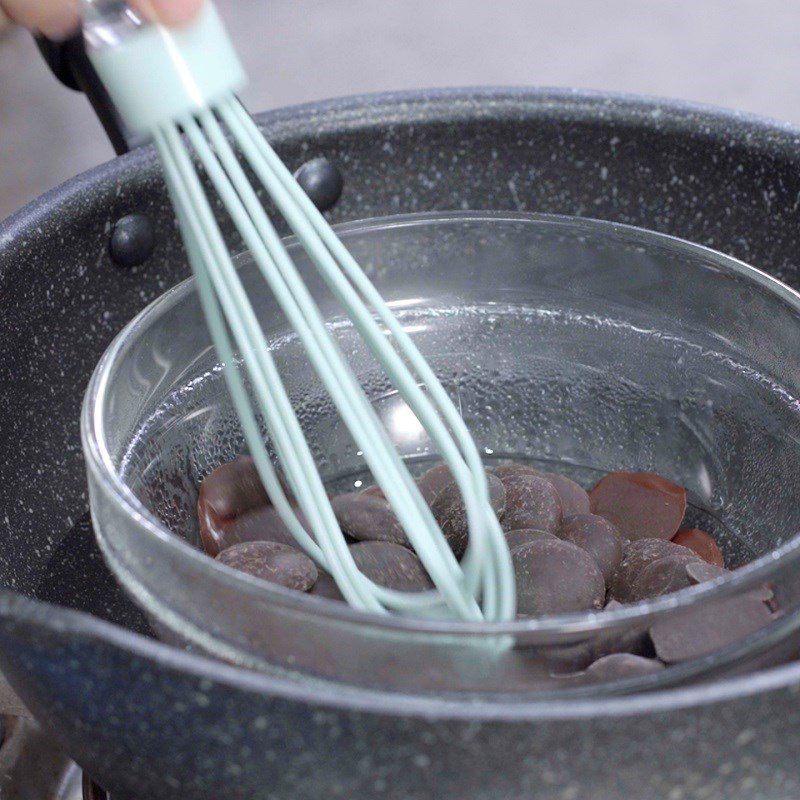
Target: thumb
[[56, 20]]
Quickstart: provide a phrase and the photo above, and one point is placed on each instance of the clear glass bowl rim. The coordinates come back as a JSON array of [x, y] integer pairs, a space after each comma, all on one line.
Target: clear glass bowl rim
[[100, 463]]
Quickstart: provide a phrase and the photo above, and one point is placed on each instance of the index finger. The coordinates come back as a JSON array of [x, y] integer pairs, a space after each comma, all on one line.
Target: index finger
[[168, 12]]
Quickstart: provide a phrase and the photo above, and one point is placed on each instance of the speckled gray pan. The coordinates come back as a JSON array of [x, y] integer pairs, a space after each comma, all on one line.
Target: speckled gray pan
[[148, 720]]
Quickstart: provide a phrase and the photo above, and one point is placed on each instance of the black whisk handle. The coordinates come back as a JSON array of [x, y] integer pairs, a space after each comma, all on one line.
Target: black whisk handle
[[70, 64]]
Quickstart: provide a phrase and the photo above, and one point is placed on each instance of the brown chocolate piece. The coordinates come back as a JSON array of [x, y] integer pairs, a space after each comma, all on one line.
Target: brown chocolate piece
[[701, 543], [391, 565], [259, 525], [233, 507], [574, 498], [642, 505], [367, 517], [618, 666], [555, 576], [505, 470], [662, 576], [229, 491], [451, 515], [432, 482], [325, 586], [515, 539], [531, 502], [636, 557], [232, 489], [274, 562], [633, 639], [598, 537], [700, 571], [709, 627]]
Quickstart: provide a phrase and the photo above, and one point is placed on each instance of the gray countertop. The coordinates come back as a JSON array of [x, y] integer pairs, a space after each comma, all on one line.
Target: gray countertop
[[737, 53]]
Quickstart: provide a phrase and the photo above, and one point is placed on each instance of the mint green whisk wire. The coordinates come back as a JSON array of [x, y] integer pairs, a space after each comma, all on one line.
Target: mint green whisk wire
[[205, 74], [304, 479]]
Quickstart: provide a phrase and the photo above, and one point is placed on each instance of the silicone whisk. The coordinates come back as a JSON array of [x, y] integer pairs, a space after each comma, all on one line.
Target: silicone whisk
[[177, 87]]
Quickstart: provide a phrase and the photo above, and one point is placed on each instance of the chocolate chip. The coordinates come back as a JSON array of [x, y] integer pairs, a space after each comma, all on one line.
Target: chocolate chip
[[699, 571], [259, 525], [515, 539], [531, 502], [641, 504], [451, 515], [273, 562], [211, 535], [632, 638], [617, 666], [229, 494], [368, 518], [574, 498], [554, 576], [325, 586], [229, 491], [505, 470], [701, 543], [233, 488], [434, 481], [637, 555], [709, 627], [391, 565], [598, 537], [662, 576]]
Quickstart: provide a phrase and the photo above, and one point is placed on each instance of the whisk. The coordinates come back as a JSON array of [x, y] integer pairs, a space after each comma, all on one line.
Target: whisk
[[178, 88]]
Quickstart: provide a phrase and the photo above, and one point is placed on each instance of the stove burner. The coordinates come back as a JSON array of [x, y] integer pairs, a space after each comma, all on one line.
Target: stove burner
[[33, 767], [91, 791]]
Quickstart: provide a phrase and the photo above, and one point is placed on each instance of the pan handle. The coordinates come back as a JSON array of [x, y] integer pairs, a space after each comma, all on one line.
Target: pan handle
[[69, 63]]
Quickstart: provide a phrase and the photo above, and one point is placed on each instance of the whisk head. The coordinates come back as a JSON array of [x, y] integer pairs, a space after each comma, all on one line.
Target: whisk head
[[178, 87]]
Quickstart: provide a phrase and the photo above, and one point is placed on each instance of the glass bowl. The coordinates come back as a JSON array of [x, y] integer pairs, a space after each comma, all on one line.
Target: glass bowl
[[580, 345]]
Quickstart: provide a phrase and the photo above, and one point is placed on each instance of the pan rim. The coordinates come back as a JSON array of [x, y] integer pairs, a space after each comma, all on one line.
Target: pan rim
[[341, 697]]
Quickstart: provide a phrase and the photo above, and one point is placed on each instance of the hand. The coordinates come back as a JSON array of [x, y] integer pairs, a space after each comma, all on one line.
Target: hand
[[57, 19]]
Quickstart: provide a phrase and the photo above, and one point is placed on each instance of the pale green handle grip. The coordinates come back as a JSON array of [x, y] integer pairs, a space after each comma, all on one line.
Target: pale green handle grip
[[157, 75]]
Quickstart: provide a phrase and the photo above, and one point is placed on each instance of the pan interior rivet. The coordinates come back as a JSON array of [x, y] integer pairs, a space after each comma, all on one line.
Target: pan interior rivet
[[132, 240], [321, 181]]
